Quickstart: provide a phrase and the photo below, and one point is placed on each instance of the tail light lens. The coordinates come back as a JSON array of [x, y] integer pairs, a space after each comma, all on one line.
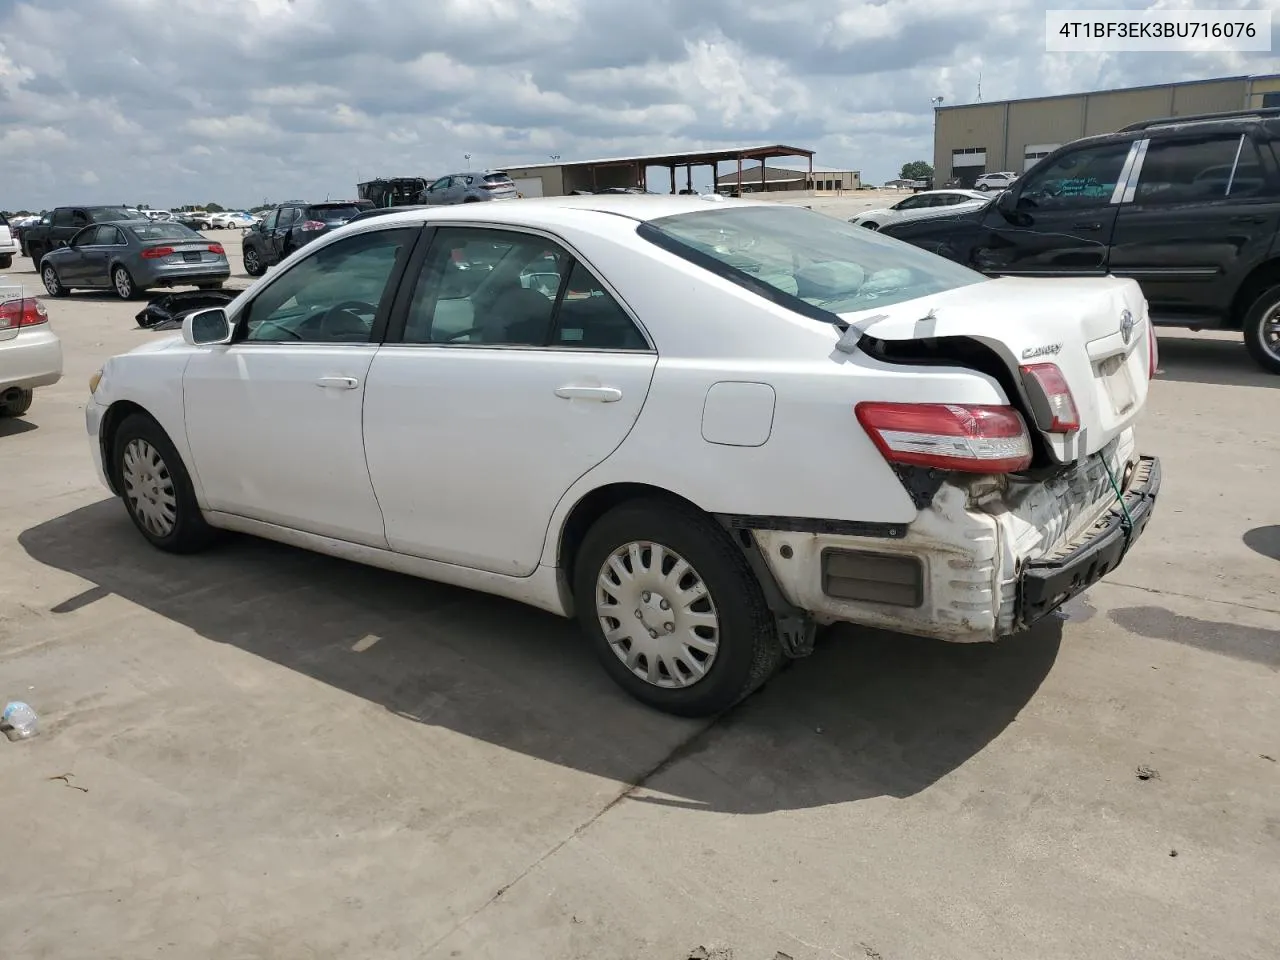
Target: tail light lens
[[972, 439], [1153, 352], [217, 248], [27, 312], [1051, 400], [312, 225], [157, 253]]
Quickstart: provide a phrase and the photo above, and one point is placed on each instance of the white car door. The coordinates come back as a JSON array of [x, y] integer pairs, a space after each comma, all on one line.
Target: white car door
[[510, 372], [274, 417]]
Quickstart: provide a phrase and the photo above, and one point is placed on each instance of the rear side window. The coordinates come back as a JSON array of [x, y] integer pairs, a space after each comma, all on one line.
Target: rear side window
[[1200, 169], [808, 262]]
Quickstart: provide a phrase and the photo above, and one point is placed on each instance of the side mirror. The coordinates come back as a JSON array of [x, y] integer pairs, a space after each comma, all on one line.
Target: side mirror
[[207, 327], [1007, 204]]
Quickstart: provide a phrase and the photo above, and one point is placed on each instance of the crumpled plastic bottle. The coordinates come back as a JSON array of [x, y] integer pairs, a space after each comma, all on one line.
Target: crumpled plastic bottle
[[19, 721]]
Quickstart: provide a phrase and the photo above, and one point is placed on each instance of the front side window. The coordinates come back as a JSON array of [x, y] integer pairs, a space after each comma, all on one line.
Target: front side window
[[87, 237], [911, 203], [331, 296], [441, 184], [1076, 180], [1200, 169], [806, 261], [272, 219]]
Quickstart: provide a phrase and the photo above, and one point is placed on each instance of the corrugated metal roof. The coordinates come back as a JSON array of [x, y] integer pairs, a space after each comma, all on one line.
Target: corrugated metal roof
[[678, 159]]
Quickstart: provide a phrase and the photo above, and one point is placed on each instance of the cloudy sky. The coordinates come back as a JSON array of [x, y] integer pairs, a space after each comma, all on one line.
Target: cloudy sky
[[236, 101]]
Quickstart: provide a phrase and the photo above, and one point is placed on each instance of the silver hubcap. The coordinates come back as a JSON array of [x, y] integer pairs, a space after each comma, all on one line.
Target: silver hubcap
[[251, 261], [657, 615], [123, 286], [149, 488], [1271, 331], [50, 280]]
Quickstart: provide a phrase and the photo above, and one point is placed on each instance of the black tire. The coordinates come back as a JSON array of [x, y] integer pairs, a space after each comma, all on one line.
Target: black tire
[[253, 265], [52, 283], [983, 188], [872, 226], [1262, 330], [122, 283], [36, 252], [16, 408], [6, 262], [748, 651], [189, 532], [209, 286]]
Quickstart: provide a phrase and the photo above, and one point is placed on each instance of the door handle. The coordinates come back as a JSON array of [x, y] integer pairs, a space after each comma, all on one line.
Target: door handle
[[603, 394], [1086, 226], [338, 383], [1248, 219]]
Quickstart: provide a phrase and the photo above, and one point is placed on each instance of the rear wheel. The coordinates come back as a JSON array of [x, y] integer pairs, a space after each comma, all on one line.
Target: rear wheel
[[673, 610], [252, 261], [49, 277], [1262, 330], [156, 488], [6, 261], [208, 286], [123, 283], [872, 226], [983, 187], [15, 405]]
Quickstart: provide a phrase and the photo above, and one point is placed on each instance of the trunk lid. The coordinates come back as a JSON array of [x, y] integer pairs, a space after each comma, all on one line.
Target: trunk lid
[[1078, 324]]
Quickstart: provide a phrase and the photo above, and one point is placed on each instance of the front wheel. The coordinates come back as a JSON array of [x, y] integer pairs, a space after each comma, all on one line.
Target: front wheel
[[673, 610], [6, 262], [253, 262], [156, 488], [983, 187], [1262, 330]]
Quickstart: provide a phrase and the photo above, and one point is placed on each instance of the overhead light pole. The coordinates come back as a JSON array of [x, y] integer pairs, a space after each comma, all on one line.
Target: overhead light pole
[[467, 157], [937, 102]]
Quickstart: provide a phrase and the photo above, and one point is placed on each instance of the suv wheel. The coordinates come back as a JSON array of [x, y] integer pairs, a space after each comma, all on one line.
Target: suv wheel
[[1262, 330], [673, 610], [252, 261]]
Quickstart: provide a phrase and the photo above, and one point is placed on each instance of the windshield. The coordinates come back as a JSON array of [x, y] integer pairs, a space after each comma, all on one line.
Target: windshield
[[805, 260], [163, 230]]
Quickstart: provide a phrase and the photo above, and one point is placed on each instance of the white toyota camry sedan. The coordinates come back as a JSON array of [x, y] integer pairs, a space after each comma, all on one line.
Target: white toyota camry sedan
[[704, 427]]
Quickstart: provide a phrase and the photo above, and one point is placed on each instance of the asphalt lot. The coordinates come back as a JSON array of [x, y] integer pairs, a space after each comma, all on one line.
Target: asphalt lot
[[263, 753]]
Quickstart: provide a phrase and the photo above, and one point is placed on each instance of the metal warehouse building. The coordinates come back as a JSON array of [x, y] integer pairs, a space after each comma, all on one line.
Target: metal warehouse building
[[972, 139]]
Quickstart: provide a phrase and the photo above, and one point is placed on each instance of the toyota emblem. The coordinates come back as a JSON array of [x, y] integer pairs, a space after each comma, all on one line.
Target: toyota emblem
[[1126, 326]]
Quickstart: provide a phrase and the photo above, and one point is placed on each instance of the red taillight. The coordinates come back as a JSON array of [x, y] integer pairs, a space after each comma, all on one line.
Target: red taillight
[[974, 439], [26, 312], [216, 248], [312, 225], [1054, 408], [1153, 351], [156, 253]]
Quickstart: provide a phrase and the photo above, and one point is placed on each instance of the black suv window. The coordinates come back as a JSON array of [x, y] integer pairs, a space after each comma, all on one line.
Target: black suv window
[[1081, 178], [1200, 169]]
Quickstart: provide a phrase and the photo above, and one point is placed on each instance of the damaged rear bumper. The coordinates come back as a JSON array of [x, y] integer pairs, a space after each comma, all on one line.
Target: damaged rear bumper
[[1073, 567], [981, 562]]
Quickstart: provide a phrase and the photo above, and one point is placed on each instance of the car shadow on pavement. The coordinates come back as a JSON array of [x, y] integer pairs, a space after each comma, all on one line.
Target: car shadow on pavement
[[869, 714], [1193, 360], [12, 426]]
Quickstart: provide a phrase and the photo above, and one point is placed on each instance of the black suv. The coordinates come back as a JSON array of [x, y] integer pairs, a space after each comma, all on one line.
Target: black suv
[[1187, 206], [291, 225]]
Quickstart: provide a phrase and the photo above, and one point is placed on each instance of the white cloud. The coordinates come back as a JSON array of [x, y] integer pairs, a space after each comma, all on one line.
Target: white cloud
[[290, 98]]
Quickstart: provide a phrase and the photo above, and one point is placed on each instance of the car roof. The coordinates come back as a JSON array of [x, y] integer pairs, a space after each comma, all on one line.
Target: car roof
[[533, 211]]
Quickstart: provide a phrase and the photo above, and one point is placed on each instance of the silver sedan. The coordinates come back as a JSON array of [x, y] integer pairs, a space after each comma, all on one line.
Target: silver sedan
[[129, 256]]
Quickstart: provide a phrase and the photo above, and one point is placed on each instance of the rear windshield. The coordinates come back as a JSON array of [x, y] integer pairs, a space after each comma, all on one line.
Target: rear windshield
[[810, 262], [163, 230], [342, 211], [497, 178]]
